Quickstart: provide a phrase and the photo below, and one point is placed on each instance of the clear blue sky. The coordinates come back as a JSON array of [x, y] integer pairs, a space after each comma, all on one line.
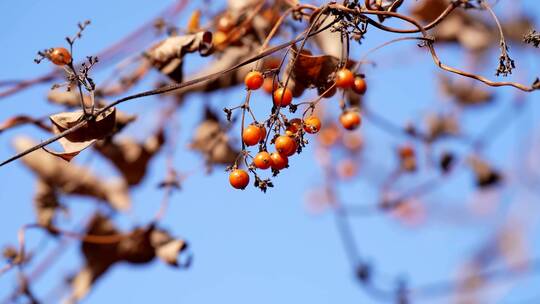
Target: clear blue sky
[[251, 247]]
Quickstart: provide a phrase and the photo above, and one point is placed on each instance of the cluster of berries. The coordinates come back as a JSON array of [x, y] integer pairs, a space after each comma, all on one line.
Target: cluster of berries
[[287, 144]]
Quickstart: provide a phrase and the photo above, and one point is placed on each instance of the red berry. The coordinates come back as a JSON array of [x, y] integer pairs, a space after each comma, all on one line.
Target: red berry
[[282, 97], [59, 56], [239, 179], [254, 80], [350, 120], [344, 78], [262, 160]]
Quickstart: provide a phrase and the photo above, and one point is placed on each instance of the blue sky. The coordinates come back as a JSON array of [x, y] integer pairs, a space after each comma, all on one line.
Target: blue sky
[[251, 247]]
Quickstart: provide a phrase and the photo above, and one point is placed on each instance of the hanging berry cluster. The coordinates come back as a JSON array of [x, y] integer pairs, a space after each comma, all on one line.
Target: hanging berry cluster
[[279, 137]]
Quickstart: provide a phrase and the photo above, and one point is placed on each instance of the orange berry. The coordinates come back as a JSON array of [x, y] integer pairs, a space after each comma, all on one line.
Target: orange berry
[[286, 145], [353, 141], [263, 133], [359, 86], [347, 169], [282, 97], [312, 124], [406, 151], [254, 80], [239, 179], [59, 56], [252, 135], [278, 161], [262, 160], [344, 78], [295, 124], [350, 120], [269, 85], [329, 135]]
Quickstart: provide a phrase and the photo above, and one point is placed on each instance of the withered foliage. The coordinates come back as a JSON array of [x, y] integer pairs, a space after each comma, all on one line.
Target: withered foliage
[[139, 246]]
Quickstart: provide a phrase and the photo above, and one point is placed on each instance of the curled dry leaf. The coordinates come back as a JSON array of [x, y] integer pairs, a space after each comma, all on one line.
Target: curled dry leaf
[[211, 140], [312, 71], [46, 203], [99, 258], [167, 56], [428, 10], [329, 42], [466, 92], [140, 246], [71, 99], [441, 125], [485, 175], [167, 248], [230, 57], [103, 125], [473, 33], [72, 179], [131, 158], [21, 120]]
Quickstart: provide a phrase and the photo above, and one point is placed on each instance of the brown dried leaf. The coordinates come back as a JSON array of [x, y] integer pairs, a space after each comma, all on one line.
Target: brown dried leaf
[[21, 120], [70, 99], [131, 158], [486, 176], [466, 92], [140, 246], [329, 42], [169, 252], [167, 56], [211, 140], [73, 179], [103, 125], [428, 10], [167, 248], [441, 125], [99, 258], [230, 57], [46, 203], [311, 71], [462, 27]]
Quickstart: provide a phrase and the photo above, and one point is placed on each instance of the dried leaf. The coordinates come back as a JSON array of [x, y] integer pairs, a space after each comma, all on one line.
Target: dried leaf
[[461, 27], [140, 246], [167, 248], [230, 57], [72, 179], [99, 258], [329, 42], [211, 140], [428, 10], [131, 158], [74, 143], [485, 175], [440, 125], [21, 120], [46, 203], [71, 99], [167, 56], [466, 92]]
